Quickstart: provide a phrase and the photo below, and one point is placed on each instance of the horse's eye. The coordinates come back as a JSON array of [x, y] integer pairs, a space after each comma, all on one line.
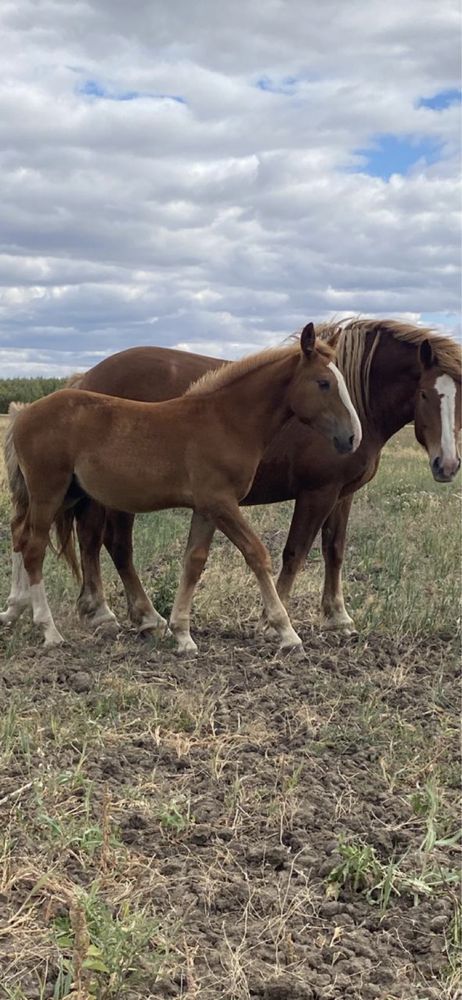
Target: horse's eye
[[323, 383]]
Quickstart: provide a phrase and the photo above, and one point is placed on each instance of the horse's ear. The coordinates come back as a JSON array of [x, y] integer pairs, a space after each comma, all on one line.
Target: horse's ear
[[427, 358], [307, 340]]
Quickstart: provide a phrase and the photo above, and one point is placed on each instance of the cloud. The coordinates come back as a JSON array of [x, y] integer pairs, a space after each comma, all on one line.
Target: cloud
[[169, 177]]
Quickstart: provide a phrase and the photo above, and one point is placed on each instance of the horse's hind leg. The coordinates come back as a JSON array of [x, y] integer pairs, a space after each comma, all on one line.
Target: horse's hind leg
[[118, 539], [19, 597], [91, 524], [310, 512], [33, 544], [197, 549], [334, 612]]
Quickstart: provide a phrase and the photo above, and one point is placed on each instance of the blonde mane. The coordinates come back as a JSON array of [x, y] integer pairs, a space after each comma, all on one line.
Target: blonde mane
[[348, 338], [74, 381], [231, 372]]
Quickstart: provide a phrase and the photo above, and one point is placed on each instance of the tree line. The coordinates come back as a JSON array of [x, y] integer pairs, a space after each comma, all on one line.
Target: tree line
[[26, 390]]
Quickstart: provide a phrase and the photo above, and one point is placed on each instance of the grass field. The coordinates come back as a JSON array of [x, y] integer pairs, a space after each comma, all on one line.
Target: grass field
[[243, 826]]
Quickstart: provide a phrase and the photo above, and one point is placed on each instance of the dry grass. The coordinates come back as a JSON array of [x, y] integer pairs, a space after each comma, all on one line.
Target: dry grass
[[242, 827]]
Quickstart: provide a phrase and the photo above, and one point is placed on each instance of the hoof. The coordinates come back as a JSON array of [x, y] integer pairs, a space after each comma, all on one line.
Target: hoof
[[347, 626], [53, 642], [349, 630], [107, 629], [187, 650], [154, 630], [12, 614], [95, 615]]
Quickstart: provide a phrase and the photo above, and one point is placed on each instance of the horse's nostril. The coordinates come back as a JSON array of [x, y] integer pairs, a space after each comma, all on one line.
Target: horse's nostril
[[436, 464], [343, 445], [351, 439]]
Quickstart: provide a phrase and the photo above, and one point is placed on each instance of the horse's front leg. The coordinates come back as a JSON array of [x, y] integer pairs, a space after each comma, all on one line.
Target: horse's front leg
[[310, 511], [197, 549], [334, 613], [231, 521], [118, 539]]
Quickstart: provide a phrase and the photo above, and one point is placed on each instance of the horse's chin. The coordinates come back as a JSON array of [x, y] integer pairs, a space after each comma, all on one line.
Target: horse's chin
[[440, 478], [444, 472]]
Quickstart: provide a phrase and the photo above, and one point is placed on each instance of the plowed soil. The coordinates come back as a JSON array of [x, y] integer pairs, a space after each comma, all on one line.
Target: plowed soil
[[221, 800]]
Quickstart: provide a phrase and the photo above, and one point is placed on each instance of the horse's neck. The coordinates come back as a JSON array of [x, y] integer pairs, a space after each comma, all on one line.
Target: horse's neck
[[393, 383], [256, 403]]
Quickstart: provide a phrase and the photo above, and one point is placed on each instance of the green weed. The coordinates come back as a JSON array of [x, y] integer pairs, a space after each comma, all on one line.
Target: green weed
[[110, 950]]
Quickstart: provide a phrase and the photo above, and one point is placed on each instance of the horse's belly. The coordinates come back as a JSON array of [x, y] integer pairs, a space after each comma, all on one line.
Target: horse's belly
[[132, 490]]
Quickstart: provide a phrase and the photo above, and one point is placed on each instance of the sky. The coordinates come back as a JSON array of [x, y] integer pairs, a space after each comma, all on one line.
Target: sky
[[212, 176]]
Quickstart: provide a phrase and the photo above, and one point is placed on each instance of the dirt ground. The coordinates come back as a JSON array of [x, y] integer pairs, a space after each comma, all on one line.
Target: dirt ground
[[267, 828]]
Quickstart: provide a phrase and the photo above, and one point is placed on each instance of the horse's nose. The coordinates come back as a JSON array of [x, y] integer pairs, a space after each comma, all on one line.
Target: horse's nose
[[344, 444], [452, 467], [445, 470]]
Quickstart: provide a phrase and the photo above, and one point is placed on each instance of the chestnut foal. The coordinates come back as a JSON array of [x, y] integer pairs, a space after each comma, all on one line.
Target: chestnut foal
[[199, 451]]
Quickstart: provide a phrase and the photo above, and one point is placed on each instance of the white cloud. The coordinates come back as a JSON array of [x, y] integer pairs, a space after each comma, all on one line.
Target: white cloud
[[225, 222]]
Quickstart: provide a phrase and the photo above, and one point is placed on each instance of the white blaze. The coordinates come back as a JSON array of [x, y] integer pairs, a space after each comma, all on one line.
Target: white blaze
[[446, 389], [345, 397]]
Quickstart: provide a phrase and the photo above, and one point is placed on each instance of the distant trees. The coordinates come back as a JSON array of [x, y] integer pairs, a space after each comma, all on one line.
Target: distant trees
[[26, 390]]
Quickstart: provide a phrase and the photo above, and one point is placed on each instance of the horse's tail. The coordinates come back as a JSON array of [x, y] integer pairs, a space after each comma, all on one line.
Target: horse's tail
[[64, 520], [65, 533], [16, 481]]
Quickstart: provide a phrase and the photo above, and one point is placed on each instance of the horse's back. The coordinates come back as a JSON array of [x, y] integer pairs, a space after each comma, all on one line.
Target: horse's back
[[147, 374]]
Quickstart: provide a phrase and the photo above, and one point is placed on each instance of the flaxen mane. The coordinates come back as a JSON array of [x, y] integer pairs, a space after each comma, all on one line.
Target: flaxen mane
[[74, 381], [348, 338], [229, 373]]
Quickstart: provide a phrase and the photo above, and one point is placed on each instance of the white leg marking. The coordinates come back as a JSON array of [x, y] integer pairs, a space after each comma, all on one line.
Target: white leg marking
[[42, 615], [180, 618], [200, 533], [346, 400], [19, 598], [446, 389]]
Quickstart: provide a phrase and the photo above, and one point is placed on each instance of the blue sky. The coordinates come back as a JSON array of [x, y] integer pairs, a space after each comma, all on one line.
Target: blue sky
[[393, 154], [96, 89], [188, 183], [444, 99]]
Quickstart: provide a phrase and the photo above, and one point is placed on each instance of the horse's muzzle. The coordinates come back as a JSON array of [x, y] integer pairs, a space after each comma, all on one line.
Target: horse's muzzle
[[344, 444], [444, 472]]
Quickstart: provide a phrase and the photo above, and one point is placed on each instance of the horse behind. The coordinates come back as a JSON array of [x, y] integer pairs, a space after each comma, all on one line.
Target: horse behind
[[199, 451]]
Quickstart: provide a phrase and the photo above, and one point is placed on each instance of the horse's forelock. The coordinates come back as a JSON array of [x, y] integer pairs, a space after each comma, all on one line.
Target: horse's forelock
[[348, 337]]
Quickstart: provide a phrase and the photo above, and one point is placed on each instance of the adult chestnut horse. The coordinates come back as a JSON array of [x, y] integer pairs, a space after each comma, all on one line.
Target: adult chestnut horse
[[395, 372], [200, 451]]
